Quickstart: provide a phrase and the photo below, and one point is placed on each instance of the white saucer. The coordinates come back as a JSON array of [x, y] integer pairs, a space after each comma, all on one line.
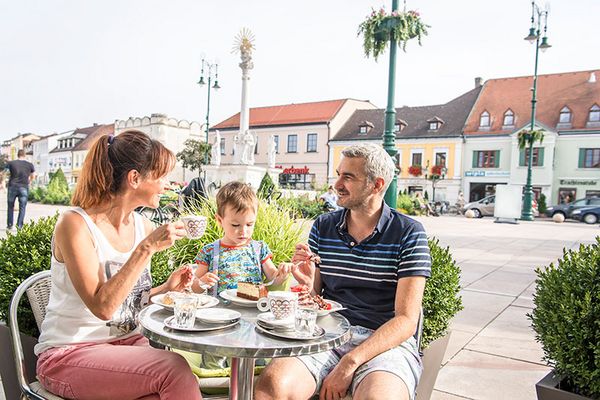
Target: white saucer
[[269, 319], [204, 301], [218, 315]]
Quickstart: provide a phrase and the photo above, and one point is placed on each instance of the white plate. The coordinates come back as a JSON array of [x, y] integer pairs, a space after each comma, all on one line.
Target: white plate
[[199, 326], [231, 295], [268, 319], [204, 301], [279, 328], [319, 332], [218, 315], [334, 307]]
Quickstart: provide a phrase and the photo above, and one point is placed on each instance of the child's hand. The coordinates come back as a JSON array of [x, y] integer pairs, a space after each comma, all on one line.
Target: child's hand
[[180, 279], [283, 271], [208, 280]]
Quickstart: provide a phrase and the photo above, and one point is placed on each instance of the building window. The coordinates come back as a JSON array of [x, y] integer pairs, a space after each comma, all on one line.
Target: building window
[[536, 161], [311, 143], [594, 114], [417, 159], [276, 138], [486, 159], [396, 127], [433, 126], [509, 118], [292, 143], [440, 159], [566, 195], [362, 130], [484, 119], [589, 158], [222, 144], [565, 115], [365, 127]]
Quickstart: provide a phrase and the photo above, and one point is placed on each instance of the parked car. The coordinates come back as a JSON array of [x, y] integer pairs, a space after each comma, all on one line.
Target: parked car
[[485, 207], [589, 215], [567, 209]]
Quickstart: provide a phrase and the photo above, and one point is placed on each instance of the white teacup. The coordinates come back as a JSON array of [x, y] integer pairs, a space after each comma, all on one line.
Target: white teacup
[[195, 225], [282, 304]]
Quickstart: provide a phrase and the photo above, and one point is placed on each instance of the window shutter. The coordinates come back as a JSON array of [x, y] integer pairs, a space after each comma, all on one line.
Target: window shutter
[[541, 157], [521, 157], [496, 158], [581, 158], [475, 157]]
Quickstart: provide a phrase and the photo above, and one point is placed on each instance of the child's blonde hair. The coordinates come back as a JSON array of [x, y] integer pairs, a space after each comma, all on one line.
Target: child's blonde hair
[[238, 196]]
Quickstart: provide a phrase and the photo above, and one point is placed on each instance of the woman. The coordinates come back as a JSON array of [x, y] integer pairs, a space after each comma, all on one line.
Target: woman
[[90, 347]]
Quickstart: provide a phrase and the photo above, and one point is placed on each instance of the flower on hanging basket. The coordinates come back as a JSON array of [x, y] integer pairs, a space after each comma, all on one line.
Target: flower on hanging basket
[[380, 27], [437, 170], [415, 170], [527, 137]]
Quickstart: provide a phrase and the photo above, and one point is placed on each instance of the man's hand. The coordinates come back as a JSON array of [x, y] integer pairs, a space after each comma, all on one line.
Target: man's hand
[[304, 269], [336, 384]]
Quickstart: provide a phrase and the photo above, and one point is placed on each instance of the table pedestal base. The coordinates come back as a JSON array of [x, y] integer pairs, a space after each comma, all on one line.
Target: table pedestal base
[[242, 378]]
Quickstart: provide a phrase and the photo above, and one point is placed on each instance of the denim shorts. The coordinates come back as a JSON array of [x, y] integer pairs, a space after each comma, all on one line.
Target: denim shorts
[[403, 361]]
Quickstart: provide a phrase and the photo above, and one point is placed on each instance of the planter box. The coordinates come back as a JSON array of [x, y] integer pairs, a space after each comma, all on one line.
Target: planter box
[[547, 389], [12, 390], [432, 361]]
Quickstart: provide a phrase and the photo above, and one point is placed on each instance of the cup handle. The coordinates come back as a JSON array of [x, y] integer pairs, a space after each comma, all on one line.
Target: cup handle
[[263, 304]]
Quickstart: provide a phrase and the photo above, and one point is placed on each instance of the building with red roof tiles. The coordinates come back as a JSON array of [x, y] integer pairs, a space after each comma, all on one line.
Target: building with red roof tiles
[[301, 133], [565, 164]]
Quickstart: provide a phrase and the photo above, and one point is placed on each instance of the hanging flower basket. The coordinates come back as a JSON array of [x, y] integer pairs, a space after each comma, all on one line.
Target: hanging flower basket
[[415, 170], [380, 27], [437, 170], [527, 137]]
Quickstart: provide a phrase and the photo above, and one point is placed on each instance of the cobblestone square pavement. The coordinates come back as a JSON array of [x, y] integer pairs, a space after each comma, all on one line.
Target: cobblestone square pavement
[[492, 352]]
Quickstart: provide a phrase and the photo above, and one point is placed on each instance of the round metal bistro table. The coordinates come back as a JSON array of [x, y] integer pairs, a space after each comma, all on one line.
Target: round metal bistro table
[[242, 342]]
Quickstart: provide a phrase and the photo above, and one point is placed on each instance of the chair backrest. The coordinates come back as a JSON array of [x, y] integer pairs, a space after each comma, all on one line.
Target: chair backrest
[[39, 284], [419, 333]]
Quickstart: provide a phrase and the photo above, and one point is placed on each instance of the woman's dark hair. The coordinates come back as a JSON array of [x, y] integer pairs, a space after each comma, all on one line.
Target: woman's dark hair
[[111, 158]]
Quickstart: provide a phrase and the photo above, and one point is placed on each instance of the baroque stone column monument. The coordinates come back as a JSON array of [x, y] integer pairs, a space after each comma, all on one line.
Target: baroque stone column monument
[[243, 168]]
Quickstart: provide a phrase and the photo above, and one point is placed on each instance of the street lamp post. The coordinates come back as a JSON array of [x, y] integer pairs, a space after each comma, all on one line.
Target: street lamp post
[[537, 15], [389, 136], [212, 71], [434, 176]]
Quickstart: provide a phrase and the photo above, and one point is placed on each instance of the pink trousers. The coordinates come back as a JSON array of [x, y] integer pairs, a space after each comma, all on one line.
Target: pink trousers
[[122, 369]]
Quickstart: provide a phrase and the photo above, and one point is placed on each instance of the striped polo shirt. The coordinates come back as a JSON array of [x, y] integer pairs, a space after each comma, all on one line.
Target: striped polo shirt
[[363, 276]]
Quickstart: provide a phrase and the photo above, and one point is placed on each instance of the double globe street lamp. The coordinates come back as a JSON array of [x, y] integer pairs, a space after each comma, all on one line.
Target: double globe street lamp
[[211, 72], [538, 16]]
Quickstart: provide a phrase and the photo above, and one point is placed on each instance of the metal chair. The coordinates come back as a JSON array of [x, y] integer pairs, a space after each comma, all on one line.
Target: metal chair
[[37, 288]]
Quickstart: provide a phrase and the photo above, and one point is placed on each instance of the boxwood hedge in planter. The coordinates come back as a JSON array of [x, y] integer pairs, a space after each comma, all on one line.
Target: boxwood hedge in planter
[[441, 300], [566, 318]]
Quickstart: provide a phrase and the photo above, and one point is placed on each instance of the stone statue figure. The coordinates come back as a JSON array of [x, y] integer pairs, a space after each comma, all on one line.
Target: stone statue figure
[[271, 152], [248, 145], [215, 150], [244, 44]]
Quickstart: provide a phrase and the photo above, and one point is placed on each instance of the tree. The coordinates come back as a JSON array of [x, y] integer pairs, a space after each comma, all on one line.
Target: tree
[[3, 162], [195, 154]]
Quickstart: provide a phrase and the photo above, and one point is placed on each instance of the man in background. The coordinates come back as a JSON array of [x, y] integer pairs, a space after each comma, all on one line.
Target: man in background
[[21, 173]]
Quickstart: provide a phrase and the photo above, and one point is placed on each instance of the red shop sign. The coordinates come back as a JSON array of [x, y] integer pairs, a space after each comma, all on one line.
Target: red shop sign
[[299, 171]]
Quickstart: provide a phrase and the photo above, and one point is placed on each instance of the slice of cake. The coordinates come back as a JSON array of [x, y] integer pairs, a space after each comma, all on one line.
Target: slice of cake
[[251, 291]]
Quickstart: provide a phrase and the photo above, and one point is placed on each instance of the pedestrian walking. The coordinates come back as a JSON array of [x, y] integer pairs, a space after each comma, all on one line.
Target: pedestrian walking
[[21, 173]]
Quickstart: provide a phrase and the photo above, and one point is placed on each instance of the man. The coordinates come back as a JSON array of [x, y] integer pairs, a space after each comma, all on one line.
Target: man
[[21, 173], [330, 198], [374, 261]]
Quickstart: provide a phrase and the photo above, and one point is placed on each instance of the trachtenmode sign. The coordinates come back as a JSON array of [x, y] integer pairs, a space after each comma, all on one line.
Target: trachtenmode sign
[[581, 182], [480, 173]]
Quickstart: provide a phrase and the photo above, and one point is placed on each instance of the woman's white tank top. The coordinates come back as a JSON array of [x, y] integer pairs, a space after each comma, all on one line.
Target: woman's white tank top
[[68, 321]]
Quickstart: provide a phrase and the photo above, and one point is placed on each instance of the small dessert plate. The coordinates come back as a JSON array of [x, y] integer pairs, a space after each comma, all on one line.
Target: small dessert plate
[[231, 295], [335, 306], [204, 301], [199, 326], [218, 315], [269, 319]]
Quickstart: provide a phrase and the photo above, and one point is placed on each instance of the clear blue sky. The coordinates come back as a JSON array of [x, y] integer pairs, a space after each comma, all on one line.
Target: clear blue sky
[[67, 64]]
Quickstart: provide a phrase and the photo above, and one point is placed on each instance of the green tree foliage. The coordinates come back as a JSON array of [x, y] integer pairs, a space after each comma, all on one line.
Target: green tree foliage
[[566, 317], [195, 154], [527, 137], [266, 187], [58, 189], [441, 300], [406, 204], [542, 206], [3, 162]]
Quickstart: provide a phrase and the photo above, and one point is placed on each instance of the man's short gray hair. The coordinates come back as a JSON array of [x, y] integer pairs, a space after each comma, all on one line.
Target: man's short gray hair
[[378, 163]]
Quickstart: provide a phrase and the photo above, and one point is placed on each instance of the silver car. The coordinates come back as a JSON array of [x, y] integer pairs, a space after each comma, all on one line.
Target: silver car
[[485, 207]]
